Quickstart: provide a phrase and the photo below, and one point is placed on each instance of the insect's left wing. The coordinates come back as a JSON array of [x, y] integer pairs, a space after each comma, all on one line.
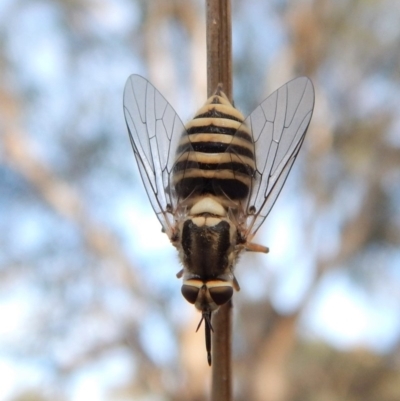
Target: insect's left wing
[[278, 126], [154, 130]]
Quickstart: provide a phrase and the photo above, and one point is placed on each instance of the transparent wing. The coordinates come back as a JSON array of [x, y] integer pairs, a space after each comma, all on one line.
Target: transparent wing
[[278, 126], [155, 130]]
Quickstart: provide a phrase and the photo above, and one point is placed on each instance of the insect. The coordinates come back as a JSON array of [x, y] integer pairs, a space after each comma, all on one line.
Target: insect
[[213, 182]]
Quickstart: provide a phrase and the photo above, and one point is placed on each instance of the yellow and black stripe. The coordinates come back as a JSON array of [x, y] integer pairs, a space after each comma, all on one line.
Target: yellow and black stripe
[[213, 156]]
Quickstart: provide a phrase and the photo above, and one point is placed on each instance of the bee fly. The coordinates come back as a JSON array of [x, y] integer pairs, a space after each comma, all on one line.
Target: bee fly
[[213, 182]]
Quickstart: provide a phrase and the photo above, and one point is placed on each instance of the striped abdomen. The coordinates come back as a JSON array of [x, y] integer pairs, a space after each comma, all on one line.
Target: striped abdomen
[[213, 156]]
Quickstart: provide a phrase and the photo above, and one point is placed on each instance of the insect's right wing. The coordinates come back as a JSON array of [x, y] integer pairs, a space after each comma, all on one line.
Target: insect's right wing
[[278, 126], [155, 130]]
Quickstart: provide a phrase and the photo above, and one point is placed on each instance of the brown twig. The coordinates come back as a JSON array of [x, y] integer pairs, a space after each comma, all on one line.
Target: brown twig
[[219, 70], [219, 46]]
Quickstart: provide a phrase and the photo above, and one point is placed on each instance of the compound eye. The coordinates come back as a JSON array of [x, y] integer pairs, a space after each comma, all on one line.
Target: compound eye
[[221, 295], [190, 293]]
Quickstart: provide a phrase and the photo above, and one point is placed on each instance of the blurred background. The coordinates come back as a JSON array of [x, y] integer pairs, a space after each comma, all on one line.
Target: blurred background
[[90, 308]]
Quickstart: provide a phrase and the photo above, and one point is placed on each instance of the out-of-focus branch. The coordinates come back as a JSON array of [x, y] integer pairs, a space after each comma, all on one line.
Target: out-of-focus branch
[[64, 200], [61, 196]]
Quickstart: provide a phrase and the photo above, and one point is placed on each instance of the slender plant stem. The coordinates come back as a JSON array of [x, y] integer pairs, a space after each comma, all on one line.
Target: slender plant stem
[[219, 70], [221, 387], [219, 46]]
